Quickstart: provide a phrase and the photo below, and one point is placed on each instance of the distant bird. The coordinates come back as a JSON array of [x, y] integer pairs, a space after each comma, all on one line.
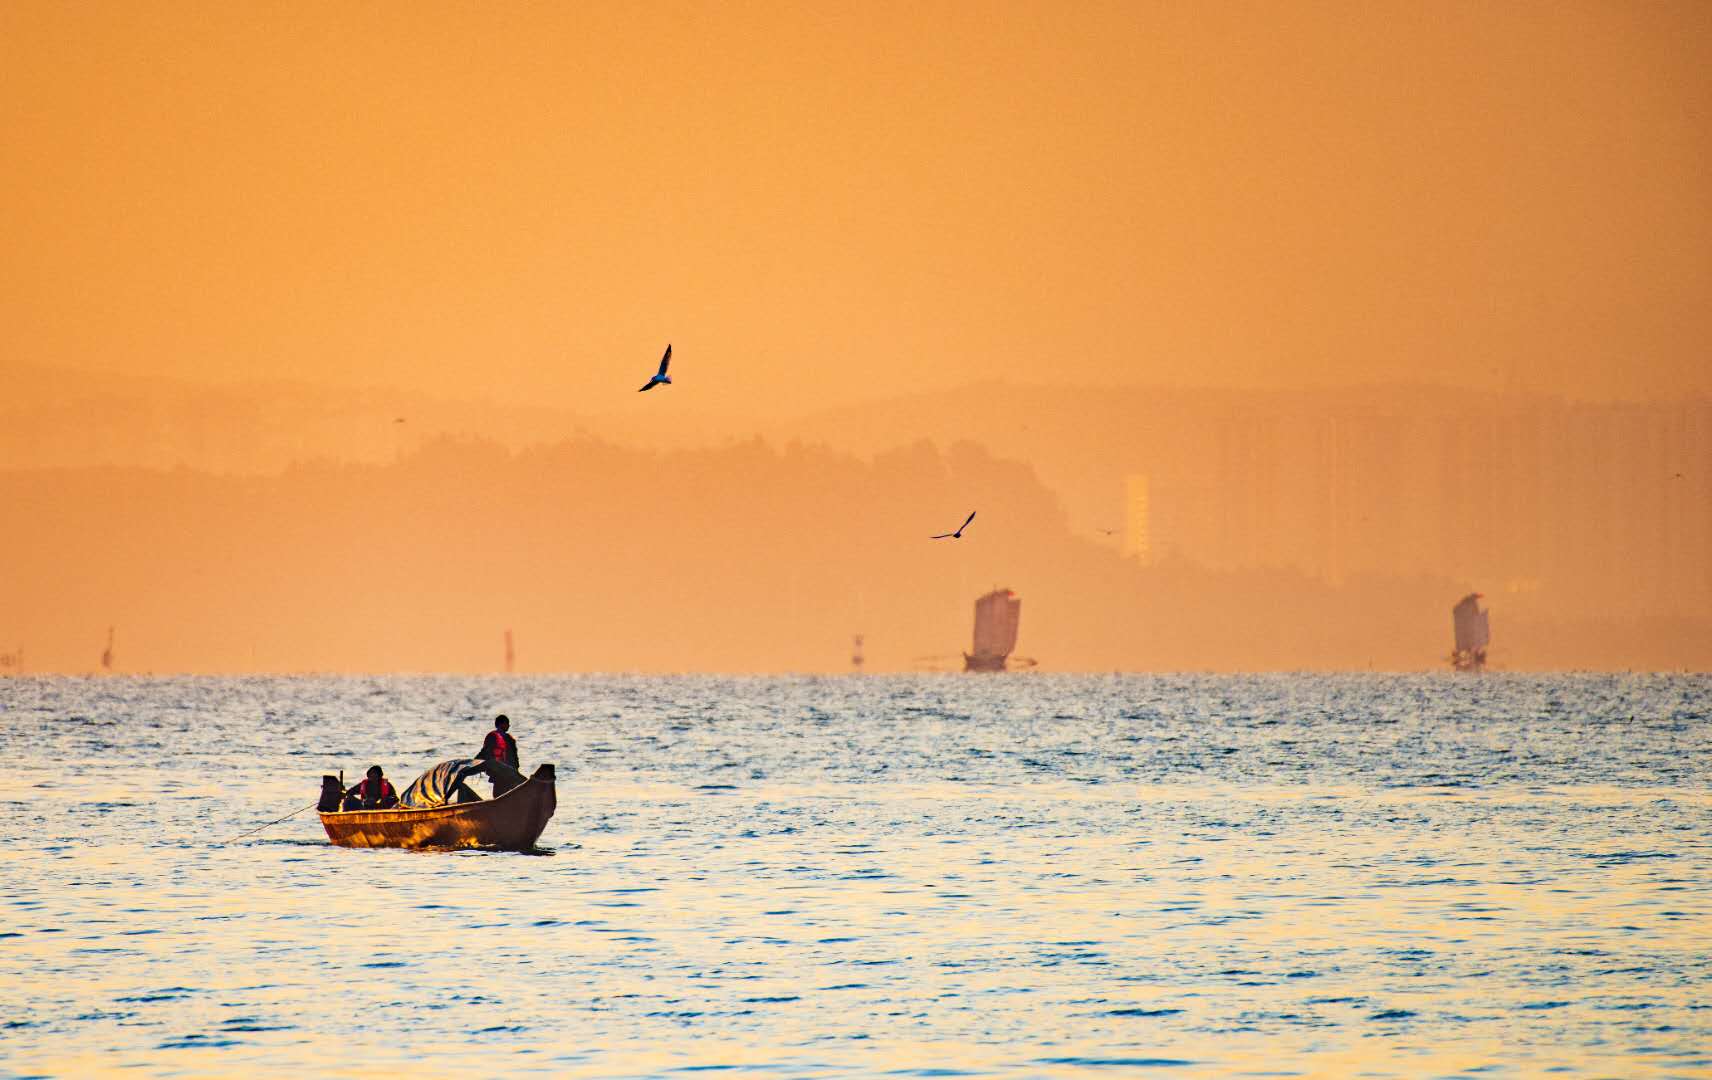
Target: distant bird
[[1109, 532], [958, 535], [398, 419], [660, 376]]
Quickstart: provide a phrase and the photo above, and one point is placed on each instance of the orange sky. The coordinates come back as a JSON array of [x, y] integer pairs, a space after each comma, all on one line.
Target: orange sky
[[824, 203], [1260, 230]]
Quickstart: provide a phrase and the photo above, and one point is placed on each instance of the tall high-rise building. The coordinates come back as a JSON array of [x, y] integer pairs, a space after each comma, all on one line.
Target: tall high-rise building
[[1138, 536]]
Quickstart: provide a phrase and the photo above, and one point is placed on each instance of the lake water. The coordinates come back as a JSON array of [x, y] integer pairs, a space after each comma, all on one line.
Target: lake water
[[939, 875]]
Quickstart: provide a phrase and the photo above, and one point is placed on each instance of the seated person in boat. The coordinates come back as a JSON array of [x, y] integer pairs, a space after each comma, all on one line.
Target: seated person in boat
[[374, 793], [501, 746]]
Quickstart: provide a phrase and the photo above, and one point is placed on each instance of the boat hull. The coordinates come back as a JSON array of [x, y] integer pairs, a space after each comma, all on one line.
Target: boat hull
[[511, 822]]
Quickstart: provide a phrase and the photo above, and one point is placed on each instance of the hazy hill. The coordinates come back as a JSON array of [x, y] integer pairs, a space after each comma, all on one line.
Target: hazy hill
[[1594, 510], [67, 418], [741, 558], [1607, 506]]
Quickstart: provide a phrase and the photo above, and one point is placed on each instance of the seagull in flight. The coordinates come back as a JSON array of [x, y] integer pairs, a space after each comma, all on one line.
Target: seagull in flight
[[958, 535], [660, 376]]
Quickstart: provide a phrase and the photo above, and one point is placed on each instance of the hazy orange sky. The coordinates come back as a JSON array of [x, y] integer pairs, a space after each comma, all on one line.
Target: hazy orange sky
[[820, 203]]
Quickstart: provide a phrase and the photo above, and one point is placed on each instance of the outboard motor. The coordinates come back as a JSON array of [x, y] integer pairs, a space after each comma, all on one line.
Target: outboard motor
[[332, 792]]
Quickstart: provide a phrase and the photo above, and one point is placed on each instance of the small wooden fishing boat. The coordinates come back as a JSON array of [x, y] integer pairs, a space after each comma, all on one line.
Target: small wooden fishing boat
[[512, 821]]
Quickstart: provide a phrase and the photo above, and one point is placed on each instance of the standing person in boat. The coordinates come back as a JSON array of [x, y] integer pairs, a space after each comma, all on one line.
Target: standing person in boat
[[501, 746], [374, 793]]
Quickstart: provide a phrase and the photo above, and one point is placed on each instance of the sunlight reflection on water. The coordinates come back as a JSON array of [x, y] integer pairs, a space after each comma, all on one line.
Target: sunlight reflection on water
[[1041, 876]]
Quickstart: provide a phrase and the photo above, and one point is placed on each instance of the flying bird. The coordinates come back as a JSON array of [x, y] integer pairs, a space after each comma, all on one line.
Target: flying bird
[[660, 376], [958, 535]]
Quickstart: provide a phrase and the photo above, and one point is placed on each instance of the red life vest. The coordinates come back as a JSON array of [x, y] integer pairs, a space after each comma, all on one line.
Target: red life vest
[[385, 789], [502, 747]]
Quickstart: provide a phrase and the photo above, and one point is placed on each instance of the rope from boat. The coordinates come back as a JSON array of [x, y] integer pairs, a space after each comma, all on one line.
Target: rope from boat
[[270, 824]]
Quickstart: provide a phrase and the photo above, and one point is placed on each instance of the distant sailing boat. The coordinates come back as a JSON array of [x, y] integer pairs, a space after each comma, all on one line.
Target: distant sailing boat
[[997, 616], [1473, 633], [107, 653]]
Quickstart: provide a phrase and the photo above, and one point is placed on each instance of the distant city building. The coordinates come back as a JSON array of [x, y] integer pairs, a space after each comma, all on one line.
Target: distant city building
[[1138, 532], [1534, 495]]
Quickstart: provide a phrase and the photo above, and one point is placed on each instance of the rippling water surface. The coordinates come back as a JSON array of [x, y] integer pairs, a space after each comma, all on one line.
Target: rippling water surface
[[1007, 876]]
